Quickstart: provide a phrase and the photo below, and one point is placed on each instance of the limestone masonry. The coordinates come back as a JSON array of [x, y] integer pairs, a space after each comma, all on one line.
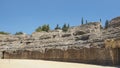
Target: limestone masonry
[[88, 43]]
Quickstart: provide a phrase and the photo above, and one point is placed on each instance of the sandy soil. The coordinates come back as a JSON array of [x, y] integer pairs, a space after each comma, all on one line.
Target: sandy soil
[[14, 63]]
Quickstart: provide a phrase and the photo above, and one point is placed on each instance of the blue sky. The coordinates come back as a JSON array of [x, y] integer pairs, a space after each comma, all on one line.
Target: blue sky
[[27, 15]]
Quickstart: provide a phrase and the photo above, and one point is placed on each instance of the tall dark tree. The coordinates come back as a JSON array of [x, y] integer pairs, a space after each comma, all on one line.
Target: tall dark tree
[[86, 21], [68, 26], [100, 20], [48, 28], [82, 21], [106, 24], [57, 27]]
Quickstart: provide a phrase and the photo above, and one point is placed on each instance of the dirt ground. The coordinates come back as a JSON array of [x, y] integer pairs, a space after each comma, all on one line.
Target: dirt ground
[[16, 63]]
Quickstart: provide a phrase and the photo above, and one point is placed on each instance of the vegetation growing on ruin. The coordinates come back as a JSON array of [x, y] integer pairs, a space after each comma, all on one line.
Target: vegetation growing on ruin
[[65, 27], [106, 24], [43, 28], [19, 33], [4, 33], [57, 27]]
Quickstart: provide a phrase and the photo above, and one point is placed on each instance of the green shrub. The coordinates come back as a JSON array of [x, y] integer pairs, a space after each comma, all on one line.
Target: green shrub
[[4, 33], [43, 28], [19, 33]]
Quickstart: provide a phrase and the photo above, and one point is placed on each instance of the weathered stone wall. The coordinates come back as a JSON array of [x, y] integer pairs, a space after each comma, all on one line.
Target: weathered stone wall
[[1, 55], [87, 43], [115, 22], [91, 55], [112, 43], [114, 47]]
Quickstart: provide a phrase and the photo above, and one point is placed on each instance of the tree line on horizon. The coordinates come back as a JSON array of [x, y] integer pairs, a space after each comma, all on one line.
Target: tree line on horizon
[[46, 28], [64, 28]]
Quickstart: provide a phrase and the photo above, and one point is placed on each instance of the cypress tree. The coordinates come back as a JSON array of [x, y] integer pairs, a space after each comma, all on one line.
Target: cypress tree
[[68, 26], [48, 28], [82, 21], [86, 21], [100, 20], [106, 24]]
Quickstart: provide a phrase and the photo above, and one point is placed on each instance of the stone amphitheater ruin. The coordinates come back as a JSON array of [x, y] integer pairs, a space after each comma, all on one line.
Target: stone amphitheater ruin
[[88, 43]]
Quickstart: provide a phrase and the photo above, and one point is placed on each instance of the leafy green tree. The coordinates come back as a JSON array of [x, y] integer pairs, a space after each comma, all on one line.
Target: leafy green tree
[[82, 21], [4, 33], [65, 27], [106, 24], [19, 33], [39, 29], [57, 27], [43, 28]]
